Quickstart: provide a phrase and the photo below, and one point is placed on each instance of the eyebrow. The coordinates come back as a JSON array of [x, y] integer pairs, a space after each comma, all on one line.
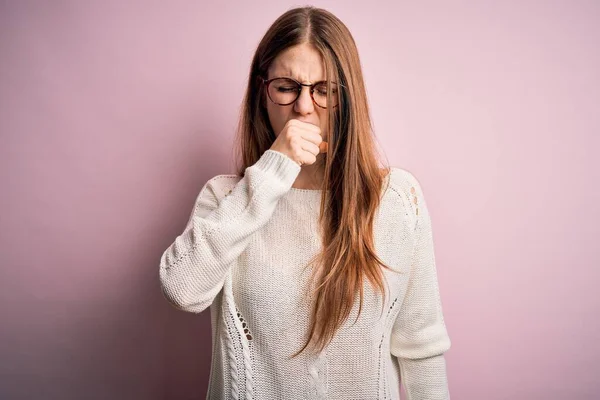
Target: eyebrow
[[294, 78], [286, 72]]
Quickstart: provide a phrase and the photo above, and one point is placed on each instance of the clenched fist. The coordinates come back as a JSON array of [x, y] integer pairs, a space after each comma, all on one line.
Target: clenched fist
[[300, 141]]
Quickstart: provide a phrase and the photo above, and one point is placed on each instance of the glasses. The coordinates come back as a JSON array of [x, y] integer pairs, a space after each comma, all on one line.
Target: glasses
[[285, 91]]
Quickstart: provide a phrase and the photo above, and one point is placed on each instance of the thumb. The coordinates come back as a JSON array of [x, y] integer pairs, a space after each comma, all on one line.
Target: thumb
[[323, 146]]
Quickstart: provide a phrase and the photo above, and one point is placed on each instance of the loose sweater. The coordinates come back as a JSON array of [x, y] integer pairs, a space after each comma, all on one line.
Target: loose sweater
[[243, 253]]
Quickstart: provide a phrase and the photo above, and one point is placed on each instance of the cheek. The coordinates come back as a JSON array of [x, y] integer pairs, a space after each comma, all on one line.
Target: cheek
[[276, 118], [323, 123]]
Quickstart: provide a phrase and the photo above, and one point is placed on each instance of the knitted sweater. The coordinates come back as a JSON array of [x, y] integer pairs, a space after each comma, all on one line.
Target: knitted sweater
[[242, 253]]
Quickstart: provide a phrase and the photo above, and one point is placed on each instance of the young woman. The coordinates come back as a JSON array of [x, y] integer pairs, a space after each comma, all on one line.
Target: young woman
[[317, 264]]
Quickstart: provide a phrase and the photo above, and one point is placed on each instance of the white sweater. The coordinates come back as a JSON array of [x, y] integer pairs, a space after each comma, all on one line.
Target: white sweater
[[242, 254]]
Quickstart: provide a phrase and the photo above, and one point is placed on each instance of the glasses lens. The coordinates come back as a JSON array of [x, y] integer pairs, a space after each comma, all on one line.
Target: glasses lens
[[320, 94], [283, 91]]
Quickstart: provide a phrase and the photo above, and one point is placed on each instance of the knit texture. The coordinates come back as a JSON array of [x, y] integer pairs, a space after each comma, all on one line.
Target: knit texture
[[243, 253]]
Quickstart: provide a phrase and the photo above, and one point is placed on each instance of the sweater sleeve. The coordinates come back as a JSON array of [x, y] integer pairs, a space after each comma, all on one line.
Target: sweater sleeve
[[193, 268], [419, 335]]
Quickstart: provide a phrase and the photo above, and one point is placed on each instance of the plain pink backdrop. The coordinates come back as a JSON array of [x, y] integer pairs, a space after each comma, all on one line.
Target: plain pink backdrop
[[113, 114]]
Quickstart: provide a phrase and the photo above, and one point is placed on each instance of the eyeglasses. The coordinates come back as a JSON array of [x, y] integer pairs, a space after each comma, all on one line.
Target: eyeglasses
[[285, 91]]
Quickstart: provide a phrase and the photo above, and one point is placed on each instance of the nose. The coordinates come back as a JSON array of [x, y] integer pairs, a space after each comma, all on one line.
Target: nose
[[304, 103]]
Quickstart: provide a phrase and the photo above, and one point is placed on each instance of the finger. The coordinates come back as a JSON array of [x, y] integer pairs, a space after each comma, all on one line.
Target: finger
[[305, 125], [312, 137], [310, 147]]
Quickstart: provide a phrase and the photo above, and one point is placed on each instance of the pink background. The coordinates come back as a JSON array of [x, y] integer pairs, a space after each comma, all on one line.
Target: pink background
[[114, 114]]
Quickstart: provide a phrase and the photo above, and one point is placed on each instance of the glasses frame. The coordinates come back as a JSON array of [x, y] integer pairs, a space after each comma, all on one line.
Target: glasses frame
[[312, 86]]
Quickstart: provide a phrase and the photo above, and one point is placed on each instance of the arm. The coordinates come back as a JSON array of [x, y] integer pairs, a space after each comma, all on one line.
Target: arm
[[419, 335], [193, 268]]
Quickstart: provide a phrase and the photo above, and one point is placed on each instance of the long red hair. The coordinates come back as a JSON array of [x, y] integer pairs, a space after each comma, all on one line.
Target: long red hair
[[352, 175]]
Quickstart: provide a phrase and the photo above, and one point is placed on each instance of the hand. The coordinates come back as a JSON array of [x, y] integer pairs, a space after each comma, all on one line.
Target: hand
[[300, 141]]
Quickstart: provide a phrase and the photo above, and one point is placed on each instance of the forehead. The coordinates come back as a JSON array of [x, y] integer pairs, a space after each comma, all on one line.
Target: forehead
[[302, 62]]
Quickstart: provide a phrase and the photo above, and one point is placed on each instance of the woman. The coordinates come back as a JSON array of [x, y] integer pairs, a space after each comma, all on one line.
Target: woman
[[281, 251]]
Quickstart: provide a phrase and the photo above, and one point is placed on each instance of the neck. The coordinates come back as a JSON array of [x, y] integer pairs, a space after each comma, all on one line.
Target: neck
[[310, 176]]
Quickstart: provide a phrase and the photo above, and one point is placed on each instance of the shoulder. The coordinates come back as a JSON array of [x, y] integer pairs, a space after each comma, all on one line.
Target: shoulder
[[217, 187], [211, 194], [402, 177], [408, 188], [405, 181]]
